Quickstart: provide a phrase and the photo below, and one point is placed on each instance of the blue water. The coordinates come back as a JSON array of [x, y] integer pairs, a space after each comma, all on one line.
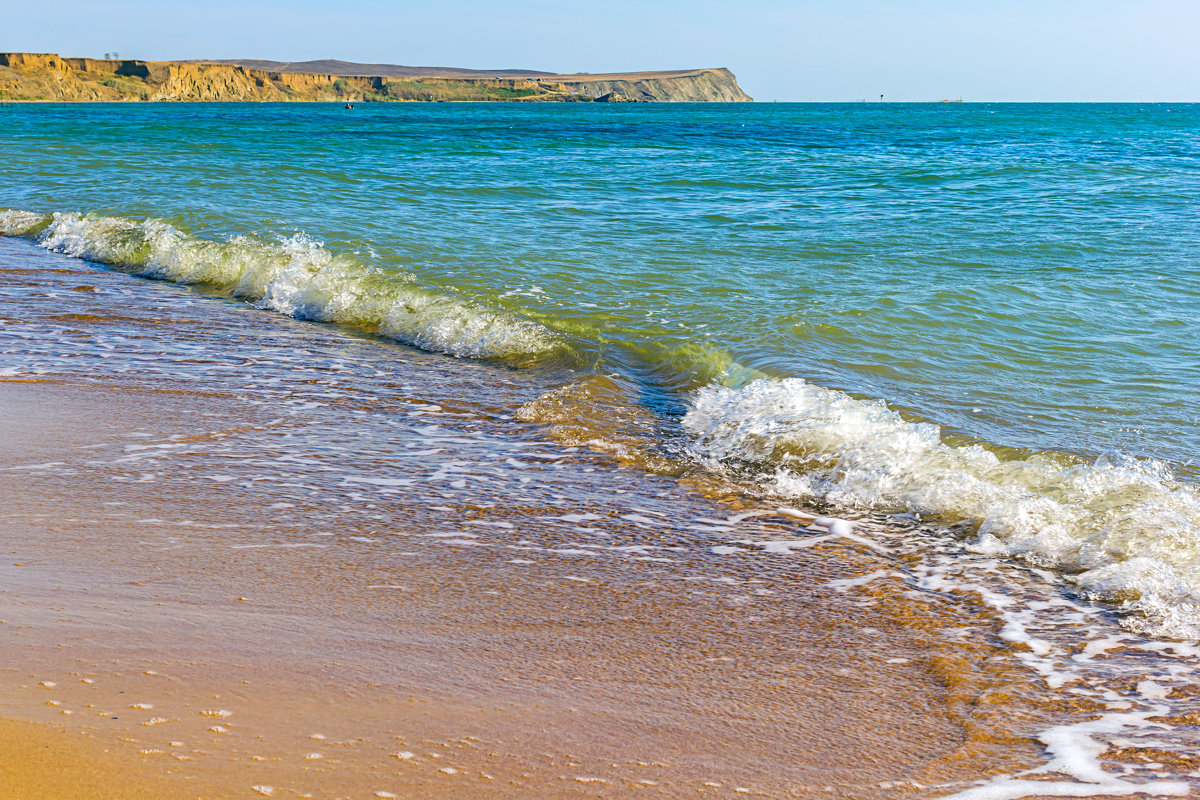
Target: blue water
[[1020, 274]]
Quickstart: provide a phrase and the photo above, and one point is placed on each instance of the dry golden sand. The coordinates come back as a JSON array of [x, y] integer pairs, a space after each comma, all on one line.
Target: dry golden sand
[[222, 673], [40, 762]]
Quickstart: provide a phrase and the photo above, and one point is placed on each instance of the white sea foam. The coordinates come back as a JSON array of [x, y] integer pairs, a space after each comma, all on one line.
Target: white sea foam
[[1072, 648], [296, 276], [14, 222], [1125, 531], [1073, 752]]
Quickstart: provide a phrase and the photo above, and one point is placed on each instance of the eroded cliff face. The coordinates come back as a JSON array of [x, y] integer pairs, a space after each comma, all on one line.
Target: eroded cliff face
[[701, 86], [39, 76]]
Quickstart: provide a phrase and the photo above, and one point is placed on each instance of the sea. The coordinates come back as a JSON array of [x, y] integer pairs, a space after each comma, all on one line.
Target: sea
[[962, 338]]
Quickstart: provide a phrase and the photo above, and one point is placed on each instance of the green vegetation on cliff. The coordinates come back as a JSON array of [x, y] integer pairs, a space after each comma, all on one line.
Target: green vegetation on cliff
[[39, 76]]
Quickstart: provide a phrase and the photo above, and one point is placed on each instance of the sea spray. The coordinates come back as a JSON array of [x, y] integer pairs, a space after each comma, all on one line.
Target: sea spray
[[1122, 530]]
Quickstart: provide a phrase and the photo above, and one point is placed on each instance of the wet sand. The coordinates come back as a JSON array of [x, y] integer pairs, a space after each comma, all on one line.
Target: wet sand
[[243, 550], [319, 674]]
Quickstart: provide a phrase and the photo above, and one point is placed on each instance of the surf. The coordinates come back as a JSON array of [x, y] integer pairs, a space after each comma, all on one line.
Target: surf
[[296, 276]]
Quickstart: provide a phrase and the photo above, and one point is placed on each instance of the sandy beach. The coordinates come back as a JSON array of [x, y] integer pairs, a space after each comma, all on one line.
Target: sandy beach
[[208, 672], [197, 601]]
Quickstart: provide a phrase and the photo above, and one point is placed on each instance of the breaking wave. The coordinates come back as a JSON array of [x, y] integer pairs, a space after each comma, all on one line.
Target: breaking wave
[[296, 276], [1122, 530]]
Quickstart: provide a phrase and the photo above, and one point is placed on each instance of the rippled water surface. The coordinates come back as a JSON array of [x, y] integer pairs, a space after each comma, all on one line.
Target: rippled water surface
[[1021, 274], [1016, 282]]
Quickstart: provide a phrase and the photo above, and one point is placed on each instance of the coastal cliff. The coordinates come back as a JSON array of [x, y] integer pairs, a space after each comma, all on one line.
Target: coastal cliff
[[49, 77]]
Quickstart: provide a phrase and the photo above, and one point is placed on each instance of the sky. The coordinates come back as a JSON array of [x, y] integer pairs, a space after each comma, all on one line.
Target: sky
[[1019, 50]]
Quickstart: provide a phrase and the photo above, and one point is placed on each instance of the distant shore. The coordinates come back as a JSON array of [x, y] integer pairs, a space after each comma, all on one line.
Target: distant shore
[[49, 77]]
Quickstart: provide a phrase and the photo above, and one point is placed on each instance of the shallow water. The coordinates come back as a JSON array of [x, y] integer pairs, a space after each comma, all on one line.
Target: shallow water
[[1016, 279], [386, 523], [718, 295]]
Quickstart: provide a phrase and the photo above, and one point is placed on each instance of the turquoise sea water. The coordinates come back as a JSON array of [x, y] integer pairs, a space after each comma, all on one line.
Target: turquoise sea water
[[1018, 283]]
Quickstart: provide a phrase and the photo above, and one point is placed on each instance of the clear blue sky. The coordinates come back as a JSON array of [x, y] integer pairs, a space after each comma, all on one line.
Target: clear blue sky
[[804, 50]]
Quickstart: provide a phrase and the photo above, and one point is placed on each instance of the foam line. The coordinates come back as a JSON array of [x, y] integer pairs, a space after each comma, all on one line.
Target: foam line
[[296, 276], [1121, 529]]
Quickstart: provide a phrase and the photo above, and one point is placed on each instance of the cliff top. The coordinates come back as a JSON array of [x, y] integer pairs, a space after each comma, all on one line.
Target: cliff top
[[351, 68]]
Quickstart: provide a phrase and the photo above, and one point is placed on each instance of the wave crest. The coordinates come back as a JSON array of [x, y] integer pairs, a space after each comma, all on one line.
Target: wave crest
[[1122, 530], [14, 222], [296, 276]]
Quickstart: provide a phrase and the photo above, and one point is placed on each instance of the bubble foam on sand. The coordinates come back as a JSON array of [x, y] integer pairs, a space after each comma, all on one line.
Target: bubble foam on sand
[[1122, 530], [1071, 648]]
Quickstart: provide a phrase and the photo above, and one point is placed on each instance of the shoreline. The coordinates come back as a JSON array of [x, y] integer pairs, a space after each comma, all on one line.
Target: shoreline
[[246, 567], [526, 697], [229, 557]]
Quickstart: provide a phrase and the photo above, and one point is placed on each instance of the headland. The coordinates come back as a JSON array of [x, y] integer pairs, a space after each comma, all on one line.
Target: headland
[[50, 77]]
